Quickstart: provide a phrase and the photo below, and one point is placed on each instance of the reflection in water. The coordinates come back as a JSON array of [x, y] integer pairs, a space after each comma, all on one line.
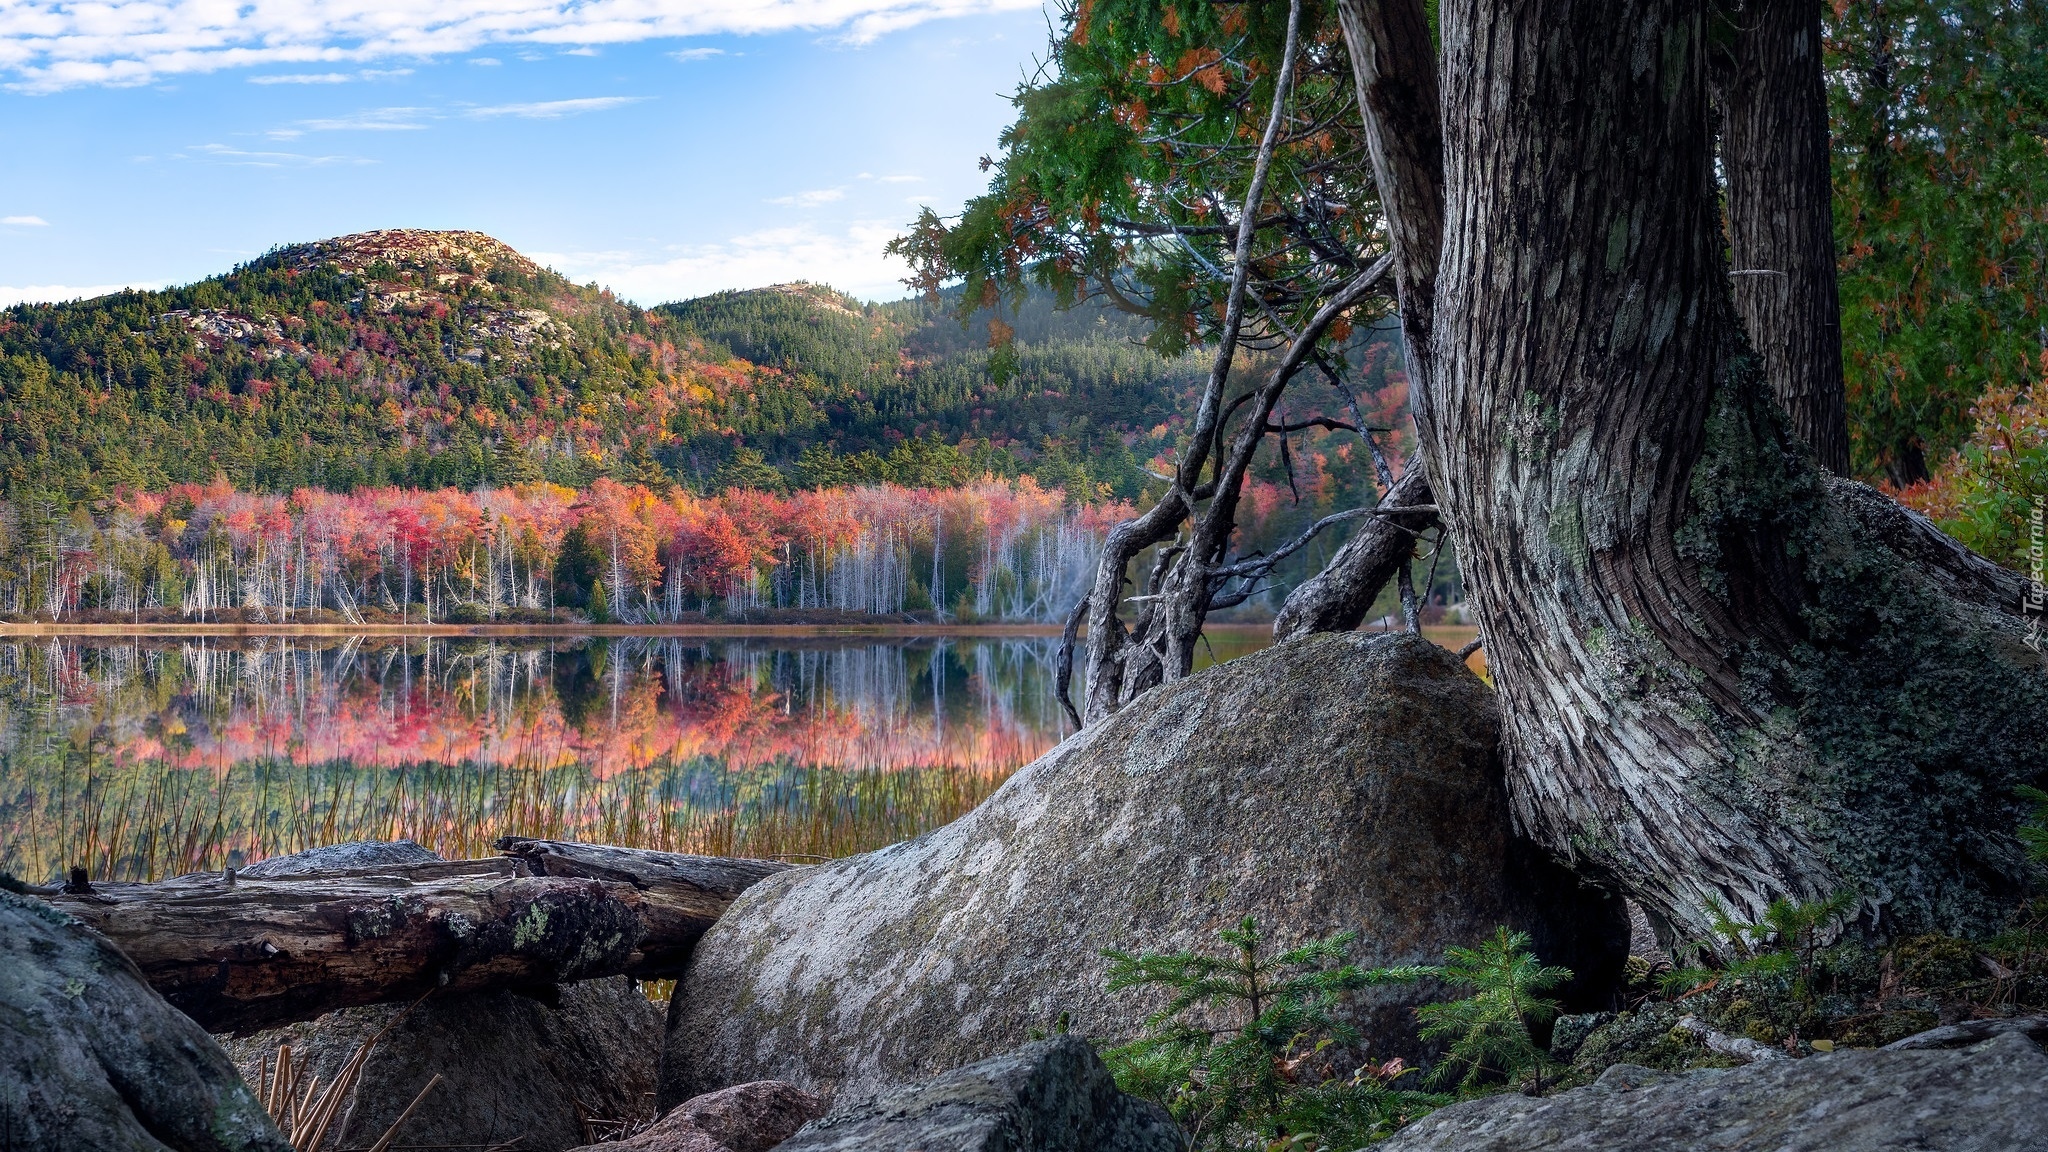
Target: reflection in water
[[140, 759]]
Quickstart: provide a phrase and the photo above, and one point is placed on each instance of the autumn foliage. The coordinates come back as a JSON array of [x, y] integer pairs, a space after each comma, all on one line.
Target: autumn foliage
[[988, 549], [1991, 493]]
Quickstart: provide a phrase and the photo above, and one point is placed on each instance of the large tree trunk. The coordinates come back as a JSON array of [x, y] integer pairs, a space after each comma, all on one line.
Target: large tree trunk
[[1774, 154], [1717, 686]]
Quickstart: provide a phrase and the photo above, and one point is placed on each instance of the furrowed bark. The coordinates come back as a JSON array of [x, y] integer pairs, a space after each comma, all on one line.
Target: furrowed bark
[[1394, 63], [1716, 685], [1775, 156], [1337, 598], [254, 953]]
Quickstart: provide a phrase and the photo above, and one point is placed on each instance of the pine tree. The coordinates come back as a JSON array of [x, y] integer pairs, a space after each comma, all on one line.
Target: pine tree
[[643, 469], [1491, 1032], [1250, 1081], [513, 464]]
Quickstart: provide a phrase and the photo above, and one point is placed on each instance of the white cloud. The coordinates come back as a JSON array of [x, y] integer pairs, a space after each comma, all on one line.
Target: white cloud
[[53, 44], [248, 159], [811, 199], [58, 293], [331, 77], [850, 260], [553, 109], [25, 221], [305, 78], [485, 61], [688, 54], [368, 120]]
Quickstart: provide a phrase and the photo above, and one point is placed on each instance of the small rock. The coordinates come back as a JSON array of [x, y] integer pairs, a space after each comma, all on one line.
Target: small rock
[[355, 854], [744, 1118], [1051, 1096], [1571, 1031], [91, 1058], [513, 1067], [1990, 1098]]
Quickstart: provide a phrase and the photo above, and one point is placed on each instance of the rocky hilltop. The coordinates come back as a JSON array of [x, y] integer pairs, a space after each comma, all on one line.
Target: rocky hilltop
[[444, 254], [448, 359]]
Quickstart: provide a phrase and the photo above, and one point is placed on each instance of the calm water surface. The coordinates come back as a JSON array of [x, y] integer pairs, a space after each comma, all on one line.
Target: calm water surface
[[144, 758]]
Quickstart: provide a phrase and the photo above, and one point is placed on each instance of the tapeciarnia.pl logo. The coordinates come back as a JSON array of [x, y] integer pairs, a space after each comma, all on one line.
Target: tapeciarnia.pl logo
[[2037, 558]]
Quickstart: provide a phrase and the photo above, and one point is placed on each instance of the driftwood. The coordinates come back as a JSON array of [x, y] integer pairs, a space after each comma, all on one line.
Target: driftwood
[[1970, 1032], [237, 953], [1741, 1047]]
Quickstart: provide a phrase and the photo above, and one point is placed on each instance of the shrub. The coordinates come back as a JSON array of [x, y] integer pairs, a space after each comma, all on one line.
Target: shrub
[[1239, 1052]]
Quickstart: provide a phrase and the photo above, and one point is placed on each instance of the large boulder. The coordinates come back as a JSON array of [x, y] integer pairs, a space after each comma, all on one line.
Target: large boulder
[[1335, 783], [513, 1065], [1989, 1098], [92, 1058], [1051, 1096], [744, 1118]]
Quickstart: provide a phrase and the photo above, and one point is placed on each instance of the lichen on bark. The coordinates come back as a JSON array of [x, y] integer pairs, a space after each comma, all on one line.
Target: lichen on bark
[[1889, 724]]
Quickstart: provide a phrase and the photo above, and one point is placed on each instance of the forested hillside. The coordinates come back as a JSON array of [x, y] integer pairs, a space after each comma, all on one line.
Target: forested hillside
[[427, 422], [446, 359]]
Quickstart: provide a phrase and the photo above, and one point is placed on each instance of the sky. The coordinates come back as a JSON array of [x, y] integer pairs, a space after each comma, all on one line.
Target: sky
[[663, 148]]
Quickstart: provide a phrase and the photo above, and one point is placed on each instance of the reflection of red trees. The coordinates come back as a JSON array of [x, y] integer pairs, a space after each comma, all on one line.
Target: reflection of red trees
[[705, 711]]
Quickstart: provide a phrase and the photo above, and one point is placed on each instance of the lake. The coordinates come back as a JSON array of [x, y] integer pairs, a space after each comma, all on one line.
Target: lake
[[145, 757]]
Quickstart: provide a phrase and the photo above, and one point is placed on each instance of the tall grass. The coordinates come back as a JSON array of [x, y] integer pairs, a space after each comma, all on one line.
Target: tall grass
[[149, 820]]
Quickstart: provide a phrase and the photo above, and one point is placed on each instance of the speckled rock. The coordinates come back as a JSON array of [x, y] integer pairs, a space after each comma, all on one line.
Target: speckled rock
[[1339, 782], [1051, 1096], [92, 1058], [744, 1118], [354, 854], [1989, 1098], [512, 1065]]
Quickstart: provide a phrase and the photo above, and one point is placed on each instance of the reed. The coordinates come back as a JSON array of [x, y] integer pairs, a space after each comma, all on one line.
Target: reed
[[304, 1109]]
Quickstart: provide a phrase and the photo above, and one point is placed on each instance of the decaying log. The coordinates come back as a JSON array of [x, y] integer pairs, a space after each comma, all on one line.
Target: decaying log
[[238, 953], [675, 896]]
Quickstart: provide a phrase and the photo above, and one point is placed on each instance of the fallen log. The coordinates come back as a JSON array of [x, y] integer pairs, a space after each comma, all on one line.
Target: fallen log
[[675, 896], [237, 954]]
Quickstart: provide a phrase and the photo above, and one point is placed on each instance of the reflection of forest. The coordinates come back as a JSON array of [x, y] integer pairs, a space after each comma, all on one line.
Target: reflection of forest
[[144, 759]]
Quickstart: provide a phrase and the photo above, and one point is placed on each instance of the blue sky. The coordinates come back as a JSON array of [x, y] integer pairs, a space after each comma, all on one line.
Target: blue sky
[[664, 149]]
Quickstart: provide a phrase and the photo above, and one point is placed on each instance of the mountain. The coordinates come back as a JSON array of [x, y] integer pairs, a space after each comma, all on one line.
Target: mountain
[[435, 359]]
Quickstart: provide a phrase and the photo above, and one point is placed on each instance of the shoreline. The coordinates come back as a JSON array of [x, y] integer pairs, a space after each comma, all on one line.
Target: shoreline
[[563, 631], [485, 631]]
